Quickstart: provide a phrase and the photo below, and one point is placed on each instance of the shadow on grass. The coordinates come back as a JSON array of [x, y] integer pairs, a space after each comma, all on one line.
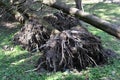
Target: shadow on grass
[[107, 11], [6, 34], [14, 64]]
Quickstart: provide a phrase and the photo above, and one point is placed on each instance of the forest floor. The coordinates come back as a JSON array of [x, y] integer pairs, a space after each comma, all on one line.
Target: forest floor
[[14, 61]]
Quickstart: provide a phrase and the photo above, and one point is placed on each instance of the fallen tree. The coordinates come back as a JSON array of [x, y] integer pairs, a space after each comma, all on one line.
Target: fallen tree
[[70, 47], [86, 17]]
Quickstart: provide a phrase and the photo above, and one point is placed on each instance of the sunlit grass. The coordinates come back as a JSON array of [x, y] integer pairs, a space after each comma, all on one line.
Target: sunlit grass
[[109, 12]]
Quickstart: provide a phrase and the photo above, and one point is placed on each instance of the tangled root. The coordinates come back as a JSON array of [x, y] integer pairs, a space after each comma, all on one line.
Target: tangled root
[[32, 35], [61, 21], [71, 49]]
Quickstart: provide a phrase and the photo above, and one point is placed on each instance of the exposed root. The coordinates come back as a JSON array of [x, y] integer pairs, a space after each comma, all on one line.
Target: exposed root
[[65, 48], [61, 21], [72, 49], [32, 35]]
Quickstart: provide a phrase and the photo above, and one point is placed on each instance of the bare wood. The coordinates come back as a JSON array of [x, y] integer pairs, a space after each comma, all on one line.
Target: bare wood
[[86, 17]]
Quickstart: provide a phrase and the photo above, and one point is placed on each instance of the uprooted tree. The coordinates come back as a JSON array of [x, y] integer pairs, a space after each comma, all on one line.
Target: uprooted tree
[[67, 44], [86, 17]]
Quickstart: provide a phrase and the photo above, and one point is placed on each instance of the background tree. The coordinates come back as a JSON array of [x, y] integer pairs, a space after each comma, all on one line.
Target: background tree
[[79, 4]]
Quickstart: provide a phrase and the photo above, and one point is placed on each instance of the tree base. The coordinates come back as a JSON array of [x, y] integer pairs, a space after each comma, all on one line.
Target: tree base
[[72, 49]]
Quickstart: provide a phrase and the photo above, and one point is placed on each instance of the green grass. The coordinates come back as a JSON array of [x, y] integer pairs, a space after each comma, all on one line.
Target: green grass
[[13, 64], [109, 12]]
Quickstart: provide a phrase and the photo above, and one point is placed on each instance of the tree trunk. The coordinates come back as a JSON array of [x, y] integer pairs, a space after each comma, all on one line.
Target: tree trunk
[[86, 17], [79, 4], [80, 7]]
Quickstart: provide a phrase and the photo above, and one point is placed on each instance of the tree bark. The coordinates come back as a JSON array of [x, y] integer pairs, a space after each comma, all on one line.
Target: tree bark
[[86, 17], [80, 7], [79, 4]]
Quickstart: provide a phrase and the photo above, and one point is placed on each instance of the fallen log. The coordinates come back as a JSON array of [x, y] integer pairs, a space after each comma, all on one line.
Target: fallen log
[[86, 17]]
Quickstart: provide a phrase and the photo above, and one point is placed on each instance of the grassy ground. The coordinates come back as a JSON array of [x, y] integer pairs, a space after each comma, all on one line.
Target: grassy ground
[[13, 64]]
